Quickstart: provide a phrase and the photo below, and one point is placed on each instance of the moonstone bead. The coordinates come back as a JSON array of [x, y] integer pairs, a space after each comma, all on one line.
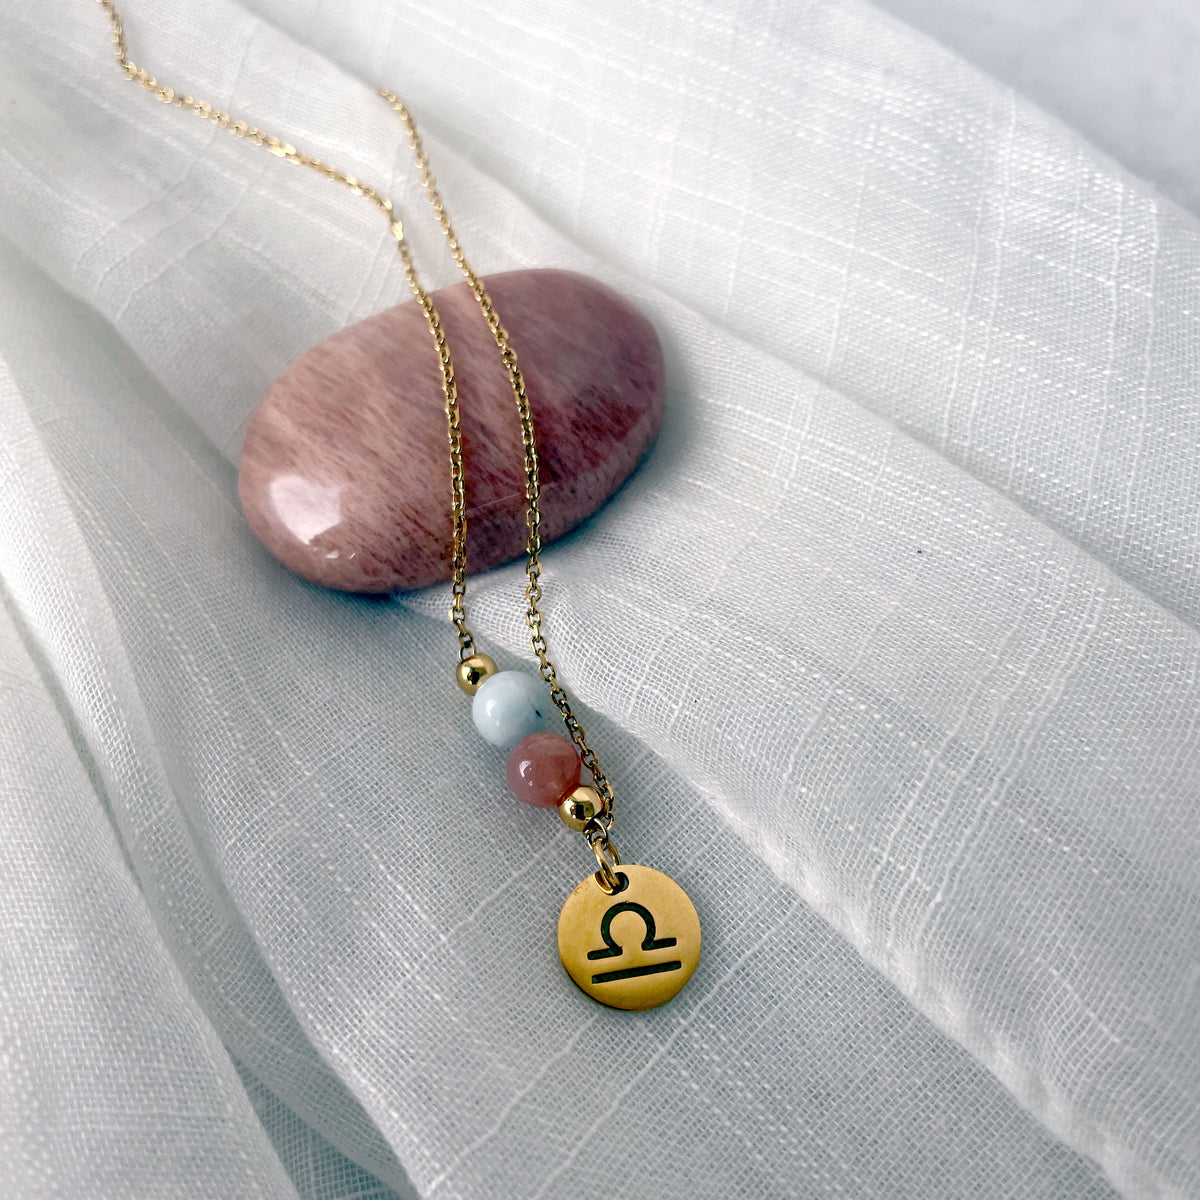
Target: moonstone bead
[[510, 706], [345, 468], [543, 769]]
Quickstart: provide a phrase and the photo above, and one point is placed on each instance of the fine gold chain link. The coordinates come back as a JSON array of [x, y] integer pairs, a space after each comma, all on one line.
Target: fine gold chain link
[[598, 830], [533, 511]]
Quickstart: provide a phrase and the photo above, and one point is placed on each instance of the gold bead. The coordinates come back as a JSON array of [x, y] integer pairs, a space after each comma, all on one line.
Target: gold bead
[[580, 807], [473, 671]]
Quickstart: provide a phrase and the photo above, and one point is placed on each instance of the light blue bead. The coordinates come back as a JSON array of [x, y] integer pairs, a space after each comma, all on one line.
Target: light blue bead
[[509, 706]]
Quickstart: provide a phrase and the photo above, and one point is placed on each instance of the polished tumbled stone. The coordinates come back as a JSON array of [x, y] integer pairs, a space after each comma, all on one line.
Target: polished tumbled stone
[[345, 472]]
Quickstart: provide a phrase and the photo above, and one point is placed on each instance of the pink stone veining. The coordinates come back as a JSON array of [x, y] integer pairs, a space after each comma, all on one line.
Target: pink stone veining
[[345, 472], [543, 769]]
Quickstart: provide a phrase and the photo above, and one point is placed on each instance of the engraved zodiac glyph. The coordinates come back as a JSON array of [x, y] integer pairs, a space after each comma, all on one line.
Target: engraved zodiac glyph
[[634, 948], [611, 949]]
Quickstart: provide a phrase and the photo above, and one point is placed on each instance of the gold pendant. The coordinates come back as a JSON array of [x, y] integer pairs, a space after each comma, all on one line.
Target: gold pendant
[[634, 948]]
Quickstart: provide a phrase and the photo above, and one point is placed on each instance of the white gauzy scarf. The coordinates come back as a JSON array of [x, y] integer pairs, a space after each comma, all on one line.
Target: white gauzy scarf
[[891, 646]]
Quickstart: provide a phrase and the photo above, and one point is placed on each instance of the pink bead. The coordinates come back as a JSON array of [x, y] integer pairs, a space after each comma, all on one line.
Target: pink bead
[[543, 769]]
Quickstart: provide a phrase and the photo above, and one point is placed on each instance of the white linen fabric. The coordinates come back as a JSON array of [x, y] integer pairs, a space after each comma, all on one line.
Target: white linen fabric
[[1120, 71], [891, 645]]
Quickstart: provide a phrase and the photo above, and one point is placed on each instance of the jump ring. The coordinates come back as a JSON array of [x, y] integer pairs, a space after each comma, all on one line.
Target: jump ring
[[608, 859]]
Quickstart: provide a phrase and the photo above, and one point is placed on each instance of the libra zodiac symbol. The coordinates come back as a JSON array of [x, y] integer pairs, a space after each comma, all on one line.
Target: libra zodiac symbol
[[611, 949]]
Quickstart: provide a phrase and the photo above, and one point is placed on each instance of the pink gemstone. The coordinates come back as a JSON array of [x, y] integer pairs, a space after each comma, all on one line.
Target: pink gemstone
[[345, 469], [543, 769]]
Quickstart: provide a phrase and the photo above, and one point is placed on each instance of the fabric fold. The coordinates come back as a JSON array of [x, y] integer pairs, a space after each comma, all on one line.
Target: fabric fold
[[886, 665], [115, 1083], [53, 581]]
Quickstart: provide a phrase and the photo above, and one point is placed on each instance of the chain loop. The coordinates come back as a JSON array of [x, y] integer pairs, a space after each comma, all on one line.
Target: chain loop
[[608, 860], [533, 511], [508, 356], [285, 150]]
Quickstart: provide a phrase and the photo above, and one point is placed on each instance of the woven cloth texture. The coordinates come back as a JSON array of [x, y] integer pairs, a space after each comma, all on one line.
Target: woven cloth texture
[[890, 648]]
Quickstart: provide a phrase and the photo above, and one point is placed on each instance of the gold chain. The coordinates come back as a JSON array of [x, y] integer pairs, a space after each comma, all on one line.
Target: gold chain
[[598, 830]]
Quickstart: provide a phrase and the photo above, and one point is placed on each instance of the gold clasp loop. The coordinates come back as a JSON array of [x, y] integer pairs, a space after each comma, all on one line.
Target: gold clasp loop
[[608, 859]]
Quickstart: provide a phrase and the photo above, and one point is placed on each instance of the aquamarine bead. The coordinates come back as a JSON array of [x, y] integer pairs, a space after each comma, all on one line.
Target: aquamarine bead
[[509, 706]]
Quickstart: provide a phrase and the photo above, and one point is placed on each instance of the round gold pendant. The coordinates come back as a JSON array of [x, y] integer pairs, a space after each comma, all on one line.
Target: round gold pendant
[[633, 949]]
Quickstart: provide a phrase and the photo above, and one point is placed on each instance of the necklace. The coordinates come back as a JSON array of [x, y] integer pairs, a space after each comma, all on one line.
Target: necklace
[[628, 935]]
